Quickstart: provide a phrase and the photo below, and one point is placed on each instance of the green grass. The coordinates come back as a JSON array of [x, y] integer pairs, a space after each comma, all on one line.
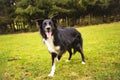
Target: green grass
[[24, 56]]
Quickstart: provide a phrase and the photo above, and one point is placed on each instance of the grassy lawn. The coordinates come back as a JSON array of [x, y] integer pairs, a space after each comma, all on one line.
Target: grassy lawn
[[24, 56]]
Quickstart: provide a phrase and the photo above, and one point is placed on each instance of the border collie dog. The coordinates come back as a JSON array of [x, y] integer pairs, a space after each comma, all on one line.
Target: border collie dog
[[60, 40]]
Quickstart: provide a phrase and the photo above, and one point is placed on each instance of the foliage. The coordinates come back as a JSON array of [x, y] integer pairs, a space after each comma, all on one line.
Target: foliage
[[25, 57], [67, 10], [78, 7]]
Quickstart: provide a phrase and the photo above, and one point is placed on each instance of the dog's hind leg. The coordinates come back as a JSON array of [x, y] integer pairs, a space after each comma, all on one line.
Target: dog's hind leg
[[82, 55], [80, 50], [60, 54], [70, 55]]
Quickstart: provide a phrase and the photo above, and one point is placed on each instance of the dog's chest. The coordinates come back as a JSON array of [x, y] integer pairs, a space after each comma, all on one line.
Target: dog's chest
[[50, 45]]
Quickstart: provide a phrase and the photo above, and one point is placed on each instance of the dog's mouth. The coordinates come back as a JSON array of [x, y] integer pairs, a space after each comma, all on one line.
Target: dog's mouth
[[48, 32]]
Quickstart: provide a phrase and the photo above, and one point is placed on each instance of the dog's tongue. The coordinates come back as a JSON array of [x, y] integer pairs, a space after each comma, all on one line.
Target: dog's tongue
[[48, 34]]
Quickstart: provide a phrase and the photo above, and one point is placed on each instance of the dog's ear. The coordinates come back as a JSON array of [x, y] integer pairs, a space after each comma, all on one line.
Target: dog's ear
[[40, 21], [54, 20]]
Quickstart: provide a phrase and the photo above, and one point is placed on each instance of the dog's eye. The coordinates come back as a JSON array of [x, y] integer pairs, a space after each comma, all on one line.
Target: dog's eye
[[50, 23], [44, 24]]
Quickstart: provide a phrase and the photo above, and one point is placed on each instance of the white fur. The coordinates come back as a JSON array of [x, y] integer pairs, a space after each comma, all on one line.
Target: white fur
[[50, 45], [83, 62], [52, 71], [67, 60], [53, 68], [52, 48]]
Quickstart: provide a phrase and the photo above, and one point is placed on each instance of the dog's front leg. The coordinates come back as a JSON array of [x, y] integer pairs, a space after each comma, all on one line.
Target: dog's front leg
[[54, 60]]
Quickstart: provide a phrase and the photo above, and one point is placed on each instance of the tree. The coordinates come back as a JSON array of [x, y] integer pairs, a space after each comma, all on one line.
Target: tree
[[114, 7], [18, 15], [7, 15]]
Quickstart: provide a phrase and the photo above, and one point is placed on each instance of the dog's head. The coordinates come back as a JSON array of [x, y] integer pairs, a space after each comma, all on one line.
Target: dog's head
[[47, 27]]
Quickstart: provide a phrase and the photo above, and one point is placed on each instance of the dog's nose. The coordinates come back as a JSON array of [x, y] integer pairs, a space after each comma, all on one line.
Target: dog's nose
[[48, 29]]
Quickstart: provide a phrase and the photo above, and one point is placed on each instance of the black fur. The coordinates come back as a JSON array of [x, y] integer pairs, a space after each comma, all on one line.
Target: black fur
[[66, 38]]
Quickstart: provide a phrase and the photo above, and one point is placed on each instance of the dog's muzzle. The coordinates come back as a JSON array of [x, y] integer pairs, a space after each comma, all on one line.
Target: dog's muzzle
[[48, 29]]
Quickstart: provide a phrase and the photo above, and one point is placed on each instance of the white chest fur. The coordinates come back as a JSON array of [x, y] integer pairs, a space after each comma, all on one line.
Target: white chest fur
[[50, 45]]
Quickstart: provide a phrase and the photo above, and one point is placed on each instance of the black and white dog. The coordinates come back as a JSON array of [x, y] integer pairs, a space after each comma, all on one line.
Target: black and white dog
[[60, 40]]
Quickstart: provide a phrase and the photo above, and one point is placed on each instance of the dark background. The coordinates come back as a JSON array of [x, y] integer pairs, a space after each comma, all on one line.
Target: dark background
[[20, 15]]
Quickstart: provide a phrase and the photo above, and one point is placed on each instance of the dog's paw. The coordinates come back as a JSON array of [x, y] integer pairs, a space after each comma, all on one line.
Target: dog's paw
[[83, 62], [50, 75], [67, 60]]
